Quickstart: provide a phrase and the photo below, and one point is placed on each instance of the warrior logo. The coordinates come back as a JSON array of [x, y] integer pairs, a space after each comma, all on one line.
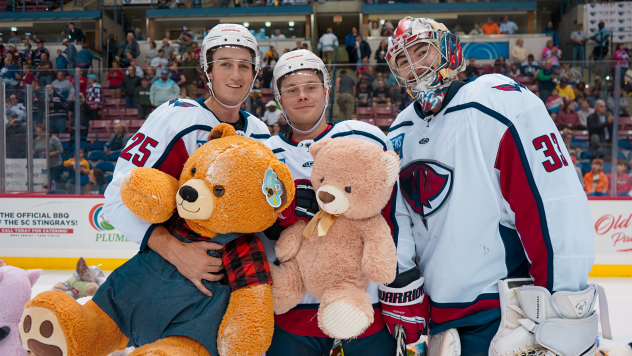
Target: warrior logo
[[426, 186]]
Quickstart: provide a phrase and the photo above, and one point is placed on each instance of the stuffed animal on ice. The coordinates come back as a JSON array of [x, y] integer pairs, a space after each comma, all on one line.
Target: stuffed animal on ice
[[347, 244], [15, 291], [229, 189], [83, 283]]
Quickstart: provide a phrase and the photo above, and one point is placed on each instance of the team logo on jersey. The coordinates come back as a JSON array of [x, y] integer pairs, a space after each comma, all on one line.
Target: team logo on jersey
[[308, 164], [398, 144], [426, 187], [515, 86], [177, 102]]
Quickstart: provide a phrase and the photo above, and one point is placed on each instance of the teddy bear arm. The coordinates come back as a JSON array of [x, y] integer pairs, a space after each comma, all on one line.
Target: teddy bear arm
[[248, 324], [290, 241], [149, 194], [379, 256]]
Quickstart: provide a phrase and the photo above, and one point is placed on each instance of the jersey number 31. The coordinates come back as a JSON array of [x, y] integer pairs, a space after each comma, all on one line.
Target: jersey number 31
[[558, 161]]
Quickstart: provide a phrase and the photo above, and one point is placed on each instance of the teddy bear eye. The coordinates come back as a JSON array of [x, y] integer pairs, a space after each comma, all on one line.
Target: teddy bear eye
[[322, 179], [348, 189], [193, 170], [218, 190]]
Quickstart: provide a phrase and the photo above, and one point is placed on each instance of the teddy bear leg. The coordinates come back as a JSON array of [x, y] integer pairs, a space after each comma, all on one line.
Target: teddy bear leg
[[248, 324], [54, 324], [288, 289], [345, 312], [172, 346]]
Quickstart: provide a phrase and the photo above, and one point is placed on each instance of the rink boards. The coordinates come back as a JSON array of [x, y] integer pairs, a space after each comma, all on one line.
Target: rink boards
[[53, 231]]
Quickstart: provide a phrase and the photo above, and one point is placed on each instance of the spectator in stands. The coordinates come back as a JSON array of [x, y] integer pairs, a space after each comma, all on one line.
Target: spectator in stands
[[602, 39], [476, 31], [97, 183], [38, 102], [369, 75], [350, 46], [14, 38], [381, 95], [580, 91], [490, 28], [115, 76], [458, 30], [85, 57], [499, 67], [552, 53], [26, 54], [83, 82], [567, 117], [177, 75], [388, 28], [375, 83], [595, 95], [27, 76], [596, 181], [199, 36], [345, 90], [380, 57], [578, 39], [15, 136], [71, 54], [142, 99], [63, 86], [361, 71], [93, 95], [186, 45], [62, 36], [375, 30], [191, 73], [470, 70], [256, 104], [327, 44], [572, 75], [283, 126], [151, 53], [277, 35], [37, 54], [550, 30], [128, 85], [363, 50], [167, 48], [85, 114], [15, 106], [271, 57], [163, 90], [554, 102], [61, 61], [10, 75], [514, 70], [584, 112], [130, 46], [54, 151], [624, 181], [507, 27], [111, 48], [137, 35], [529, 67], [599, 123], [137, 69], [45, 70], [57, 111], [272, 115], [82, 165], [75, 34], [183, 94], [623, 104], [2, 50], [565, 90], [160, 63], [518, 52], [117, 141], [594, 148], [567, 137], [275, 129], [621, 58], [545, 80], [363, 95], [126, 61]]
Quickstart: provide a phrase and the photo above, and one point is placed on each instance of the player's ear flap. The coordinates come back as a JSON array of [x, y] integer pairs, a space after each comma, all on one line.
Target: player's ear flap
[[313, 149], [287, 184], [221, 130], [391, 163]]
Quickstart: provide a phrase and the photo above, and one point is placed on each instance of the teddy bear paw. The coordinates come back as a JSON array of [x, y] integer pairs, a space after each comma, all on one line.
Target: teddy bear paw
[[344, 321], [41, 333]]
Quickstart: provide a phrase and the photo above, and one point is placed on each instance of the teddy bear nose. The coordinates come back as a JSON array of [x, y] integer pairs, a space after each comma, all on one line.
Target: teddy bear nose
[[326, 198], [188, 193]]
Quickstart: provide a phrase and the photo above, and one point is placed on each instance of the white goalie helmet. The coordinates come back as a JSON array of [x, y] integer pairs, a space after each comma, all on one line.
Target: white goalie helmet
[[296, 61], [230, 35]]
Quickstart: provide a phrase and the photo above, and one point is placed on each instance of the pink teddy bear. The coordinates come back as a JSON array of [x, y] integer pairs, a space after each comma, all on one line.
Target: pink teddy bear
[[15, 291]]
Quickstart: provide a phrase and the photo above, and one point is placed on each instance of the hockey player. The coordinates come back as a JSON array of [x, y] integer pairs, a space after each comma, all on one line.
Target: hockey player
[[488, 210], [231, 60], [301, 86]]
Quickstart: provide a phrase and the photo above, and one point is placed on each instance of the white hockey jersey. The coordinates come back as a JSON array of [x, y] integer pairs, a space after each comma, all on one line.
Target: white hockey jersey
[[487, 191], [165, 141], [302, 319]]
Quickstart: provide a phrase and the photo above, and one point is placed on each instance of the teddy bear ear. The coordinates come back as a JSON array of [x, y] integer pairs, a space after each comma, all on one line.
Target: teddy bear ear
[[313, 149], [221, 130], [391, 162], [34, 275]]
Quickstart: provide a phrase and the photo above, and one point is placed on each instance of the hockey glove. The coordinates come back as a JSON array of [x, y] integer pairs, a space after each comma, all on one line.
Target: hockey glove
[[303, 207]]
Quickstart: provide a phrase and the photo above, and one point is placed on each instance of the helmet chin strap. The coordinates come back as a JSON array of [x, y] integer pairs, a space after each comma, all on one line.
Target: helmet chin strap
[[210, 89], [315, 126]]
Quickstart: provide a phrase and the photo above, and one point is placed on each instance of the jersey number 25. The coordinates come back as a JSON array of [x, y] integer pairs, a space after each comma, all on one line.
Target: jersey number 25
[[140, 158]]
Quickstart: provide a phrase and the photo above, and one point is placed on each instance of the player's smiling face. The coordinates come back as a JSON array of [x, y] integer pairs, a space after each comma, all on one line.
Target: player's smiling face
[[303, 97], [231, 74], [422, 56]]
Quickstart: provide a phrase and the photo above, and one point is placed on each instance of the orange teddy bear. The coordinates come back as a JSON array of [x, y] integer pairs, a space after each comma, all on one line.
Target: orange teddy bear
[[230, 188]]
